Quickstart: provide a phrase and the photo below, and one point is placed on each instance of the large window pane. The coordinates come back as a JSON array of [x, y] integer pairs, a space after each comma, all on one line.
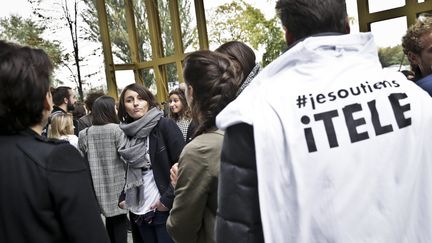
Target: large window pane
[[166, 30], [124, 78], [142, 28], [149, 79], [188, 24], [353, 15], [118, 31], [173, 80], [386, 34], [377, 5]]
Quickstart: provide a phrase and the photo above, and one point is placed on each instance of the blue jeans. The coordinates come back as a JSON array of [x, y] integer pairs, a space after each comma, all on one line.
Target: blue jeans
[[154, 232]]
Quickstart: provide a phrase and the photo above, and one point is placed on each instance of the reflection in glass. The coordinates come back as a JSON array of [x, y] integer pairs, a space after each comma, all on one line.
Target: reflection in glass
[[188, 25], [149, 79], [166, 30], [173, 79], [377, 6], [118, 31], [142, 29]]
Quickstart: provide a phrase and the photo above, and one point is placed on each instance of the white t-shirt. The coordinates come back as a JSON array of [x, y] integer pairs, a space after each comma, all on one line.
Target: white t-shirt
[[151, 192]]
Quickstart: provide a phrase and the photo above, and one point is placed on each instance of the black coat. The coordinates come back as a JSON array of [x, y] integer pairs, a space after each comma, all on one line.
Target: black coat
[[46, 192], [166, 144], [238, 217]]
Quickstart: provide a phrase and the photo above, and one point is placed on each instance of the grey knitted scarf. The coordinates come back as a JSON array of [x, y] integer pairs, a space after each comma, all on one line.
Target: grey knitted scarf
[[136, 155]]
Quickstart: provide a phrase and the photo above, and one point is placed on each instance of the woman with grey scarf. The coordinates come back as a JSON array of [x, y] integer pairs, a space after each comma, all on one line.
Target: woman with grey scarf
[[153, 145]]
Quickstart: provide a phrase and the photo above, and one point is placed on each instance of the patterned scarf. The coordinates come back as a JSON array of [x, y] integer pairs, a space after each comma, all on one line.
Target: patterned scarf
[[249, 78]]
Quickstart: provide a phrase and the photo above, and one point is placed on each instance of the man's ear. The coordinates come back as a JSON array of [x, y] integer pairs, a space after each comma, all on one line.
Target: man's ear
[[413, 58], [289, 38], [65, 100], [347, 26], [48, 103]]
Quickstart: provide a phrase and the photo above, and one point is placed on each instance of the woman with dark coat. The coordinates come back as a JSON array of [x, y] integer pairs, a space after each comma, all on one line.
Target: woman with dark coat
[[153, 145]]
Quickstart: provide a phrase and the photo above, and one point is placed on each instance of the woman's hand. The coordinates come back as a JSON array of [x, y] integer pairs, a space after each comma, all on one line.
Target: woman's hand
[[173, 174], [159, 207], [122, 204]]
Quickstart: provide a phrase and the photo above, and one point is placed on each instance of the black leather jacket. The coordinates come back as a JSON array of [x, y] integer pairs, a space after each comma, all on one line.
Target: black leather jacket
[[238, 216]]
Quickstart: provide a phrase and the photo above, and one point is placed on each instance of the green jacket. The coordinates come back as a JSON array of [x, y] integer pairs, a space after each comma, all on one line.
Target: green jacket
[[192, 217]]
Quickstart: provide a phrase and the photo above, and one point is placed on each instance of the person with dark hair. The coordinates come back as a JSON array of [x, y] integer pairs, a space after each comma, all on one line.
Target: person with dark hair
[[180, 113], [243, 58], [417, 45], [86, 121], [315, 149], [152, 146], [46, 189], [64, 101], [79, 110], [100, 143], [211, 82]]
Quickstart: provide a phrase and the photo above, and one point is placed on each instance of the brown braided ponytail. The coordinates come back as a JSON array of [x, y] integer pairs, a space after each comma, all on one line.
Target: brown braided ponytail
[[213, 79]]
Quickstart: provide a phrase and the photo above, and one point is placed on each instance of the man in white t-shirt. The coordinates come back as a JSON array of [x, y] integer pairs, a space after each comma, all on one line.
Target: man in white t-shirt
[[333, 147]]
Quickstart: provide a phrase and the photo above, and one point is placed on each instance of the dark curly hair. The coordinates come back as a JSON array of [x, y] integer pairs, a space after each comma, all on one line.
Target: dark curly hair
[[143, 92], [411, 41], [185, 112], [24, 83], [213, 79]]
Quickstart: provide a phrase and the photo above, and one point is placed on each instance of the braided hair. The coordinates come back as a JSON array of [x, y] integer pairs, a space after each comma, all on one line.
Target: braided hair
[[213, 79]]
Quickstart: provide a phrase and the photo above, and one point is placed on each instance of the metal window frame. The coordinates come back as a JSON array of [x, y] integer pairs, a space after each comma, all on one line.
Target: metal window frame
[[158, 62], [411, 10]]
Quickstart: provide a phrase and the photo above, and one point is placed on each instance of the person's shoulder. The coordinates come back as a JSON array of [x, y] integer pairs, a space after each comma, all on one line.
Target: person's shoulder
[[163, 122], [166, 125], [52, 154], [425, 82], [206, 141]]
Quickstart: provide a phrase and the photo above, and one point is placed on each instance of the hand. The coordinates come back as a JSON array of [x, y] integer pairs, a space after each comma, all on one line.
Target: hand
[[173, 174], [122, 204], [159, 207]]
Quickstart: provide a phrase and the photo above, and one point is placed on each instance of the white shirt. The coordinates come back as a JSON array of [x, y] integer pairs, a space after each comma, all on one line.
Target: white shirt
[[151, 192]]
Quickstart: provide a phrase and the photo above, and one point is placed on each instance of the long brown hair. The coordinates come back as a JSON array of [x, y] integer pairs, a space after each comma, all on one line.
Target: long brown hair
[[185, 112]]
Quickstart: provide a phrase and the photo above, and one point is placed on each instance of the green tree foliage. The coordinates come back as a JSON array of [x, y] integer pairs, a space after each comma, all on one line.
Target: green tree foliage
[[27, 32], [389, 56], [240, 21], [119, 35]]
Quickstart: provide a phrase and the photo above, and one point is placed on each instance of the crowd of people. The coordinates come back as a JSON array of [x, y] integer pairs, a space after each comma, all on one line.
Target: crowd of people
[[321, 145]]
